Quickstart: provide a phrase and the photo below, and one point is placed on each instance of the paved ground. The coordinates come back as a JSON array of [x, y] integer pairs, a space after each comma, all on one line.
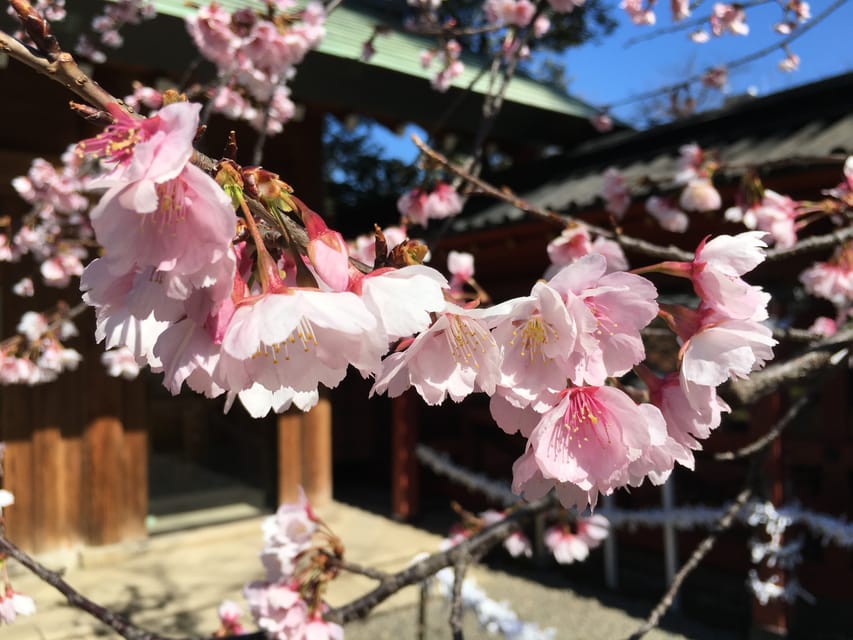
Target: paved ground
[[172, 584]]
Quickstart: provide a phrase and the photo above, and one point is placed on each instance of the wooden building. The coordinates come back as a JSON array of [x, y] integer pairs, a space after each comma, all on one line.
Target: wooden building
[[805, 134]]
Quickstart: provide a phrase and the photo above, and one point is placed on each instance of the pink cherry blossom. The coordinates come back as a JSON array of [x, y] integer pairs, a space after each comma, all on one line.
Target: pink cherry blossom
[[691, 411], [667, 216], [568, 546], [622, 304], [833, 279], [229, 613], [638, 13], [156, 148], [455, 357], [716, 273], [590, 438], [700, 195], [420, 206], [183, 225], [296, 338], [277, 608], [422, 289], [517, 544], [716, 77], [617, 197], [824, 326], [728, 18], [790, 63], [327, 251], [602, 122], [543, 340], [680, 9], [725, 348]]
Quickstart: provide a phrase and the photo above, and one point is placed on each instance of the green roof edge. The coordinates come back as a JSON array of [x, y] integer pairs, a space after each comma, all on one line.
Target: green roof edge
[[348, 29]]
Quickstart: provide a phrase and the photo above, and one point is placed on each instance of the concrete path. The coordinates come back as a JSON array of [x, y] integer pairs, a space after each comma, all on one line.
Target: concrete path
[[172, 584]]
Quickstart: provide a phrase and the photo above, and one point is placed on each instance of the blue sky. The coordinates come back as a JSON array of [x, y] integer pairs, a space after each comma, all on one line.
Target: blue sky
[[610, 72]]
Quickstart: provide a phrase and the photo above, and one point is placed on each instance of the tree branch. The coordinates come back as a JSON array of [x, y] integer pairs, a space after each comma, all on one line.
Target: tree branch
[[696, 557], [419, 571], [117, 623]]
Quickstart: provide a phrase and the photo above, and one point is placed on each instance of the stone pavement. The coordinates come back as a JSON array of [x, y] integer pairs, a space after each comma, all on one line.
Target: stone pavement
[[172, 584]]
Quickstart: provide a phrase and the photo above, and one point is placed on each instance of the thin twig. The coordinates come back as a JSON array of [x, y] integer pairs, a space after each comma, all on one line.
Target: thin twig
[[738, 62], [683, 25], [61, 69], [724, 523], [507, 195], [113, 620], [770, 436], [829, 351], [361, 570], [419, 571], [456, 610]]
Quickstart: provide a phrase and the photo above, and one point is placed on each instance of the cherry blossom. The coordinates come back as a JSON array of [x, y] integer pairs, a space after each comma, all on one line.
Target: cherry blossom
[[638, 13], [455, 357], [568, 546], [700, 195], [587, 443], [728, 18], [668, 217], [833, 279], [621, 303], [790, 63], [420, 206], [617, 197]]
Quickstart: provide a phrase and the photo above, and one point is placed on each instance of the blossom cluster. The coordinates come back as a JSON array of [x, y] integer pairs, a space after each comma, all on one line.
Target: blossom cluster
[[285, 604], [205, 305], [12, 603], [573, 543], [108, 25], [256, 55], [421, 205], [36, 354], [448, 63], [56, 230]]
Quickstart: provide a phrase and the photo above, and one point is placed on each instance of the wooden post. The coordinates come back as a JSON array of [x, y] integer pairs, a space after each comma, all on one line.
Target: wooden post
[[317, 453], [405, 485], [289, 455]]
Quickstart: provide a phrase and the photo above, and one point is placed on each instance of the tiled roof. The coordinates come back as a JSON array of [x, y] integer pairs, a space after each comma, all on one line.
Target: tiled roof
[[810, 121]]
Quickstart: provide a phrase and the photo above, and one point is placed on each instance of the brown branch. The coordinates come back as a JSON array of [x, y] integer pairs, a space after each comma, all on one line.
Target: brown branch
[[821, 354], [456, 610], [767, 438], [507, 195], [683, 25], [723, 524], [60, 68], [463, 552], [738, 62], [113, 620], [361, 570], [812, 245]]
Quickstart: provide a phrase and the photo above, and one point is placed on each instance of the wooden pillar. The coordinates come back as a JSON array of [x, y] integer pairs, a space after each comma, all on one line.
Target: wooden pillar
[[305, 454], [289, 455], [317, 453], [405, 481]]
